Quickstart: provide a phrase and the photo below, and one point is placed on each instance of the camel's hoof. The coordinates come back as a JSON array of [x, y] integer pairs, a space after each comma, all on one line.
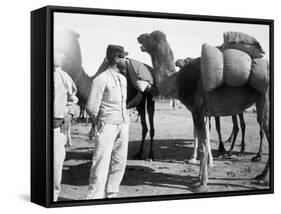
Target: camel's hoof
[[192, 160], [200, 188], [256, 158], [151, 157], [221, 150], [138, 156]]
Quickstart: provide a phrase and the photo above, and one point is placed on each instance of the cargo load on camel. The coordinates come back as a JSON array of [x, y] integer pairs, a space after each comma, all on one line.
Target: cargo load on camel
[[234, 65], [243, 42]]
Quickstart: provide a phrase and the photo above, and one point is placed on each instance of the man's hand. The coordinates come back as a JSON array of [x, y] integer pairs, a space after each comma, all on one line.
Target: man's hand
[[66, 122], [92, 132]]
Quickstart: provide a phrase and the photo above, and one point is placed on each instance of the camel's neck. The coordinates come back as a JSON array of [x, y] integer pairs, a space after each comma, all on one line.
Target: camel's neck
[[164, 76], [163, 62]]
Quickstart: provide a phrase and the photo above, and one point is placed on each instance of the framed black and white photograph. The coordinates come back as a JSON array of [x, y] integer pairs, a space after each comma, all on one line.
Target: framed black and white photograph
[[133, 106]]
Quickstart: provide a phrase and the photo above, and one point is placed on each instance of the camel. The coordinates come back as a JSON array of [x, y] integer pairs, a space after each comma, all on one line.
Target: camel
[[180, 63], [147, 104], [83, 82], [187, 86], [232, 138]]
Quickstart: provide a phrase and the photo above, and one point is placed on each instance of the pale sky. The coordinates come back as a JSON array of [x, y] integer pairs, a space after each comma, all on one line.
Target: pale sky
[[185, 37]]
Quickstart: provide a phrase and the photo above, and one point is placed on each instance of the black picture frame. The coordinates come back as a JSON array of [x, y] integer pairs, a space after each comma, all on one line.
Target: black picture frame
[[42, 106]]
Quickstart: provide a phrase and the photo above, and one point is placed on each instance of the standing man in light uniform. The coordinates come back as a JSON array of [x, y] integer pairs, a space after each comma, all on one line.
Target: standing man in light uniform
[[65, 108], [107, 107]]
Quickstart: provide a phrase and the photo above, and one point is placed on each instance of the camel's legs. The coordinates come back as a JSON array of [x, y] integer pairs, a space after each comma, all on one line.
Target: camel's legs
[[236, 130], [195, 147], [221, 148], [138, 117], [263, 120], [265, 171], [257, 158], [81, 113], [243, 129], [87, 119], [203, 137], [150, 111], [210, 156], [230, 139], [141, 111]]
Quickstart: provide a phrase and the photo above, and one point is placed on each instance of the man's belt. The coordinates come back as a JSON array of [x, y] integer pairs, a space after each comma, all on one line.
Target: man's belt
[[57, 122]]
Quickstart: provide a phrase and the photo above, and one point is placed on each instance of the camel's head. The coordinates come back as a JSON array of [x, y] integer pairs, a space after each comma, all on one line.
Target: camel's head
[[182, 62], [179, 63], [151, 41], [66, 42]]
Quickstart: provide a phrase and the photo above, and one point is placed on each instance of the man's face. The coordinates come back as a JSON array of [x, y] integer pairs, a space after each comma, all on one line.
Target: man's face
[[121, 63]]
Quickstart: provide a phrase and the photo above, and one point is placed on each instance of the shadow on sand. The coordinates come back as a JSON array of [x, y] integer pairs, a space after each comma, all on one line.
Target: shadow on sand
[[174, 150], [164, 149]]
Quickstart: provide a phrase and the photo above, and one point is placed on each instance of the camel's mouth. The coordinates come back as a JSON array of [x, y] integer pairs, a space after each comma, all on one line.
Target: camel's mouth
[[143, 49], [141, 40]]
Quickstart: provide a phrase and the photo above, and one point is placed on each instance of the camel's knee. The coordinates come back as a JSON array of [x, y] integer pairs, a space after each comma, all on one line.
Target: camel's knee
[[203, 152]]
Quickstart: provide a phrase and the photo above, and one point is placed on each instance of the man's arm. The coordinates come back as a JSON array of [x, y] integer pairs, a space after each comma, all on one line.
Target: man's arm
[[72, 99], [71, 105], [95, 98]]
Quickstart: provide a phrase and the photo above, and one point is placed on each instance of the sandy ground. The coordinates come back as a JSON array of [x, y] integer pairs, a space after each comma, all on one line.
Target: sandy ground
[[170, 173]]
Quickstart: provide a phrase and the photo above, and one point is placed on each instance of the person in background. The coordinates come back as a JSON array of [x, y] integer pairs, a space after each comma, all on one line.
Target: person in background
[[65, 108], [107, 107]]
